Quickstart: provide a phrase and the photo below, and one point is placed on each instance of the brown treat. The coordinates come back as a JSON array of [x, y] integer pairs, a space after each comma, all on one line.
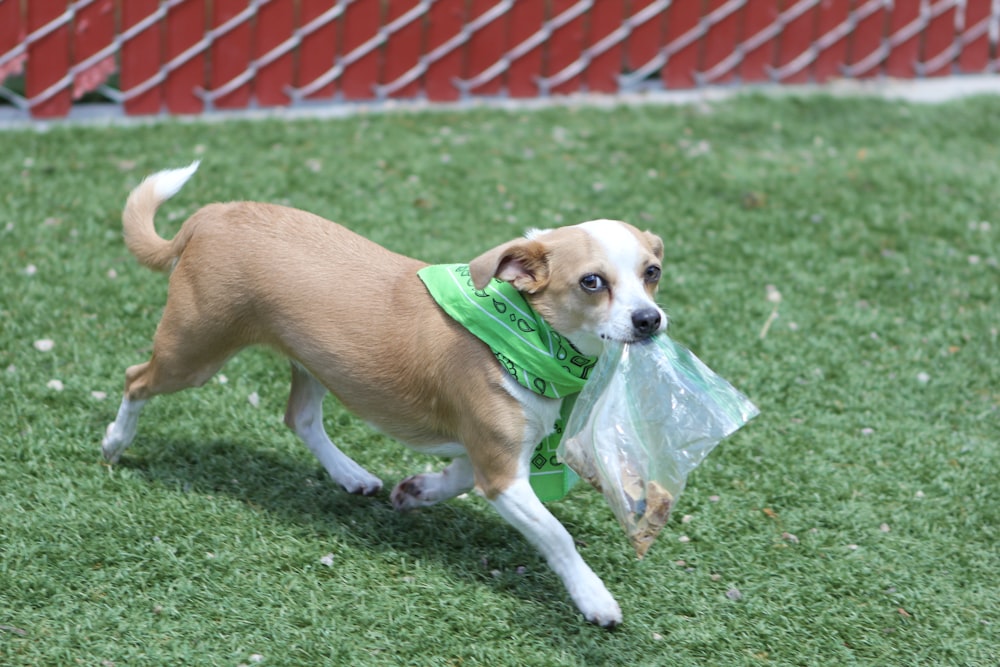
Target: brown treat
[[653, 519], [658, 504], [648, 502]]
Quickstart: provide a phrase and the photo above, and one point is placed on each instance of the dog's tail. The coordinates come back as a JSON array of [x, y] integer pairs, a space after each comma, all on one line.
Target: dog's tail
[[152, 250]]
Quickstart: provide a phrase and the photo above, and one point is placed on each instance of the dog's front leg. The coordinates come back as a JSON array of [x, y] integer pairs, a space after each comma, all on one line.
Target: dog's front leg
[[519, 505], [433, 487]]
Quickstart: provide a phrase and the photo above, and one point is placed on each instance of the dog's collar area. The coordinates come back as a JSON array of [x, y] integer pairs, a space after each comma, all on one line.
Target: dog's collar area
[[535, 355]]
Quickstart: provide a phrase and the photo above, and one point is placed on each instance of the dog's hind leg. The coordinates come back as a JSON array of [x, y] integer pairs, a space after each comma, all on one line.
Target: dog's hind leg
[[142, 382], [305, 417], [183, 356], [121, 431]]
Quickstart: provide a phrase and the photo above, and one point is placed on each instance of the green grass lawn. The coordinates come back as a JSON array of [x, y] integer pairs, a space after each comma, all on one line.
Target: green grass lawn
[[855, 522]]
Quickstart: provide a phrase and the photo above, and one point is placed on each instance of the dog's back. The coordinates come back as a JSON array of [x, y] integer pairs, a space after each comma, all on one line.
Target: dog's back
[[351, 312]]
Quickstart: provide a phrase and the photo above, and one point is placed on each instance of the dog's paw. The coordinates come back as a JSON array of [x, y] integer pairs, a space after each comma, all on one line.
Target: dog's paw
[[609, 618], [112, 445], [356, 480], [344, 471], [366, 486], [597, 605], [410, 494]]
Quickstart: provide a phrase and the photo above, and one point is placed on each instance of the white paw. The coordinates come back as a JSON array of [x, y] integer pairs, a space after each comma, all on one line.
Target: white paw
[[609, 618], [359, 481], [112, 445], [597, 605], [364, 487]]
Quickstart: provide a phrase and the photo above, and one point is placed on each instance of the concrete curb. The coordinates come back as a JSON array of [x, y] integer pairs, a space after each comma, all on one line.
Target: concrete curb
[[923, 91]]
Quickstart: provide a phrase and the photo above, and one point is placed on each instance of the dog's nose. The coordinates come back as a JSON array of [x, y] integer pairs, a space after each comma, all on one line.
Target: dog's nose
[[646, 322]]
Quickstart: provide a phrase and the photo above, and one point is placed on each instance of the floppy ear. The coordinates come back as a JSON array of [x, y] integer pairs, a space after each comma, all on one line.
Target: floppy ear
[[521, 262], [655, 244]]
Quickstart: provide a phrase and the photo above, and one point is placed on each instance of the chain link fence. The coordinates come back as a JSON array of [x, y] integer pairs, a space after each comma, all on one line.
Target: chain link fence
[[189, 56]]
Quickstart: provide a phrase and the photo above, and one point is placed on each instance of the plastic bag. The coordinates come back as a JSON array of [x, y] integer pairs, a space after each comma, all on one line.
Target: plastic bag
[[649, 414]]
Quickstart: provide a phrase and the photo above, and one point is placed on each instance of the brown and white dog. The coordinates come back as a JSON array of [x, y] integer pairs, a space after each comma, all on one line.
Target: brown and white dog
[[355, 320]]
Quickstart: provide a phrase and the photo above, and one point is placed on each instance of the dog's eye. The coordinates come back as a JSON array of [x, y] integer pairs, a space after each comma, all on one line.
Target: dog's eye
[[592, 283], [652, 274]]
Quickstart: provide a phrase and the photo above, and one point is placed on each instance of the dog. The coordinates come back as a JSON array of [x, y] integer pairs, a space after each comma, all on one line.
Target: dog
[[355, 320]]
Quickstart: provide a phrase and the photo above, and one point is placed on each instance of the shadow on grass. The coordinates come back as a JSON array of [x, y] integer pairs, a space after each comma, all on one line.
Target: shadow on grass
[[458, 534]]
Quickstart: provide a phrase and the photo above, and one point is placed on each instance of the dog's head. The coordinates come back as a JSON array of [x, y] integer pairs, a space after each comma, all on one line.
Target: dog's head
[[593, 281]]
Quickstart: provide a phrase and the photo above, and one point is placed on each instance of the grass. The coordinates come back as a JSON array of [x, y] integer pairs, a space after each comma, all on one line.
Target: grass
[[854, 522]]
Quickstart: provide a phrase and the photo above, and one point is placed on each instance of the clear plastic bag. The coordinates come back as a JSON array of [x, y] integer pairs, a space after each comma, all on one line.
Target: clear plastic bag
[[648, 415]]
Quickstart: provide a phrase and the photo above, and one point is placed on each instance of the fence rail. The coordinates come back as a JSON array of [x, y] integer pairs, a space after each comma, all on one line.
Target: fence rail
[[188, 56]]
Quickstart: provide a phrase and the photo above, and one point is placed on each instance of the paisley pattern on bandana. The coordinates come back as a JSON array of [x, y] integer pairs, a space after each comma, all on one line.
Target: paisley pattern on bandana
[[529, 349]]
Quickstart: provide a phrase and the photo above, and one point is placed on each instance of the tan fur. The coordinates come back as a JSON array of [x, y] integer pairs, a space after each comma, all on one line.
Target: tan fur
[[250, 273], [355, 319], [141, 238]]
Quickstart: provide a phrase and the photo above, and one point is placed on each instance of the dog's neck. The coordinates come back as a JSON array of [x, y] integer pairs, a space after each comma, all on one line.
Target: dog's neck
[[536, 355]]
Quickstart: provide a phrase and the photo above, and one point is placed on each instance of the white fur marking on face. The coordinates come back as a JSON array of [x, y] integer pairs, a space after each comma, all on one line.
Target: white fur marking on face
[[621, 246], [628, 291], [169, 182]]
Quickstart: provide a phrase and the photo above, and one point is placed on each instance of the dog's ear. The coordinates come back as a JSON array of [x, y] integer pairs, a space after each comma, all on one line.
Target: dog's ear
[[521, 262], [655, 244]]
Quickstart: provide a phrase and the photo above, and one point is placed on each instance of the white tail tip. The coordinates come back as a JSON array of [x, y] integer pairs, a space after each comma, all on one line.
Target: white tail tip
[[167, 183]]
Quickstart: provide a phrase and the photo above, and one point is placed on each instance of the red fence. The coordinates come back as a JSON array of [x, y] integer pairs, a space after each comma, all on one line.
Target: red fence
[[186, 56]]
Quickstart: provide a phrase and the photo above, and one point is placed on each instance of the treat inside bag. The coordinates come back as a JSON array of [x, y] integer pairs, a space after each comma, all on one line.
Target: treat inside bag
[[648, 415]]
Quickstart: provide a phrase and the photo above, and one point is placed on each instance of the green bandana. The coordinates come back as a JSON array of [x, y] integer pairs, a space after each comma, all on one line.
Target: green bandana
[[529, 349]]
